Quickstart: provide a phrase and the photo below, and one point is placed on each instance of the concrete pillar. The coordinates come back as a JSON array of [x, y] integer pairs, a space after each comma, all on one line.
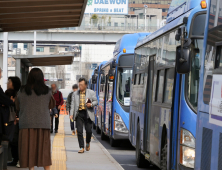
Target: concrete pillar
[[5, 61], [18, 68], [1, 66]]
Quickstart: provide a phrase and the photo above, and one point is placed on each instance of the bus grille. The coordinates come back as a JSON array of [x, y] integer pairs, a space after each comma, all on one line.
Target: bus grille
[[220, 153], [206, 149]]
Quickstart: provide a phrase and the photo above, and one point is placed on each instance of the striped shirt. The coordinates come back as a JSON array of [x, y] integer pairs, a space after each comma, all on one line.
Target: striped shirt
[[82, 100]]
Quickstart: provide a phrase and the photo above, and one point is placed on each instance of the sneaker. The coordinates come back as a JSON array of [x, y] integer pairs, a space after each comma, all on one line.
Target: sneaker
[[81, 150], [56, 131], [18, 165], [87, 146]]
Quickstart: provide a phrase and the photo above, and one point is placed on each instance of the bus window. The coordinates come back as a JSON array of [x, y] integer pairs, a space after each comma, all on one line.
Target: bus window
[[142, 79], [209, 66], [168, 89], [135, 79], [171, 49], [159, 87], [123, 84], [193, 76]]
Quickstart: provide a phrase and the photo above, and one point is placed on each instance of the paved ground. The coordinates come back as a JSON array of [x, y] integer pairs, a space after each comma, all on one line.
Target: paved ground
[[65, 156], [124, 154]]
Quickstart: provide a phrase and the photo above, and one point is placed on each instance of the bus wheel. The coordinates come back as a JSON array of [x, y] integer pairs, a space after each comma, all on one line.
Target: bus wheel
[[163, 163], [97, 128], [112, 142], [140, 158]]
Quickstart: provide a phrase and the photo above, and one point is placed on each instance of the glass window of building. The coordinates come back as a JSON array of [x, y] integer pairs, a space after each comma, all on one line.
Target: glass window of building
[[15, 45], [52, 49], [25, 45], [39, 49], [115, 24]]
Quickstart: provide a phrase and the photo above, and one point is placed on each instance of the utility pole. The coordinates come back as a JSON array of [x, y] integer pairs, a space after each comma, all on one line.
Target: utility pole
[[145, 6], [34, 43]]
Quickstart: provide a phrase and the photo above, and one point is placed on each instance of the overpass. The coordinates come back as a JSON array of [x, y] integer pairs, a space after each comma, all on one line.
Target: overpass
[[66, 36]]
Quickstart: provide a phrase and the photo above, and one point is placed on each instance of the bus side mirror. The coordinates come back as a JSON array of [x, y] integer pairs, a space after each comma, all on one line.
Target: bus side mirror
[[183, 59], [111, 75], [113, 64], [94, 79], [103, 79]]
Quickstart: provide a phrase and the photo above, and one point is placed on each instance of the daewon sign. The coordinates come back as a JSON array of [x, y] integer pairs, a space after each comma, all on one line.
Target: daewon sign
[[107, 7]]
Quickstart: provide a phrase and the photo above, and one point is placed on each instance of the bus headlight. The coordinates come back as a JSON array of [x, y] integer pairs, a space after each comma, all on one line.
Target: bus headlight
[[187, 149], [119, 124]]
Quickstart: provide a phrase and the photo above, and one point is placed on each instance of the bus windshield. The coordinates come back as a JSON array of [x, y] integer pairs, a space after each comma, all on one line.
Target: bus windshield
[[123, 85], [194, 75]]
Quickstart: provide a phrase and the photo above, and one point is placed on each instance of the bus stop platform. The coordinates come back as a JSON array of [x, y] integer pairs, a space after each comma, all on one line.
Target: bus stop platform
[[65, 154]]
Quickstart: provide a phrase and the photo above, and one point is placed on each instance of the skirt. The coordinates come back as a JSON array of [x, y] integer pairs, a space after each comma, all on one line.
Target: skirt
[[34, 148]]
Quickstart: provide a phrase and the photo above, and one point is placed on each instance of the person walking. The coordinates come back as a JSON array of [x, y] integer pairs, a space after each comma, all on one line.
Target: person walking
[[68, 107], [82, 109], [59, 102], [33, 102]]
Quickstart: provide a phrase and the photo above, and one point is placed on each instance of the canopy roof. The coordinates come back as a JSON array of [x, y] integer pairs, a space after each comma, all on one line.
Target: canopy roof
[[21, 15], [45, 60]]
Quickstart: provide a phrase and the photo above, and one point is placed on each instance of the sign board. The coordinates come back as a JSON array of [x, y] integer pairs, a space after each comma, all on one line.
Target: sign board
[[215, 105], [107, 7], [127, 101]]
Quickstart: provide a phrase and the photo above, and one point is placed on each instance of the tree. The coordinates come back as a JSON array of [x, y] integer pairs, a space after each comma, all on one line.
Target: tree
[[94, 18]]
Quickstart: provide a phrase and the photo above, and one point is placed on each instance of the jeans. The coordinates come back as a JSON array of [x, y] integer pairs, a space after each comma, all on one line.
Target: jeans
[[82, 119], [56, 120]]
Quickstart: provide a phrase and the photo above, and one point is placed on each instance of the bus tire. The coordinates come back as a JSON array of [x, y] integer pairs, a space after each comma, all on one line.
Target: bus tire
[[163, 162], [103, 136], [140, 158], [113, 142]]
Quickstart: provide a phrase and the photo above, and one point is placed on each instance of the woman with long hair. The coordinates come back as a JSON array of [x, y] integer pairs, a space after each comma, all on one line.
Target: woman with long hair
[[34, 101]]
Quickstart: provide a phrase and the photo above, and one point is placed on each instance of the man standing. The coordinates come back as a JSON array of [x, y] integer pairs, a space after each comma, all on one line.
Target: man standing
[[68, 107], [82, 110], [59, 102]]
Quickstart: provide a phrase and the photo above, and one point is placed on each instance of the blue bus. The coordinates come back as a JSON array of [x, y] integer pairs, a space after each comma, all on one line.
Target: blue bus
[[209, 116], [95, 86], [163, 109], [114, 90]]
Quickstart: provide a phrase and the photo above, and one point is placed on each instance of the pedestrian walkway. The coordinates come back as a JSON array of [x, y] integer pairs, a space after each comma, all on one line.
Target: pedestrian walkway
[[65, 152]]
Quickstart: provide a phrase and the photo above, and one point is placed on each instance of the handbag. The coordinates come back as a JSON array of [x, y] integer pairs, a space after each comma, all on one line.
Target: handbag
[[52, 102]]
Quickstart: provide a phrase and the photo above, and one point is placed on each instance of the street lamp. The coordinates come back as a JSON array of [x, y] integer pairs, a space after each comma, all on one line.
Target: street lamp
[[145, 6]]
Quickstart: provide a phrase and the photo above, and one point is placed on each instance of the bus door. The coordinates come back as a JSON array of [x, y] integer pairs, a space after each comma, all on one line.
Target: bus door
[[148, 103]]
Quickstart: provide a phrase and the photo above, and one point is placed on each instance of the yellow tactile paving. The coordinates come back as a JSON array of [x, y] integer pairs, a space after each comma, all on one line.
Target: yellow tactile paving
[[58, 148]]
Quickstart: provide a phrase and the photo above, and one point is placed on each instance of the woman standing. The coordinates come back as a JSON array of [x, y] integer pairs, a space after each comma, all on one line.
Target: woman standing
[[34, 101], [14, 83]]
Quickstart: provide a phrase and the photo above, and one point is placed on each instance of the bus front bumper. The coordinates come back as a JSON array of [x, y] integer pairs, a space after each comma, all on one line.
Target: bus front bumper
[[181, 167], [120, 135]]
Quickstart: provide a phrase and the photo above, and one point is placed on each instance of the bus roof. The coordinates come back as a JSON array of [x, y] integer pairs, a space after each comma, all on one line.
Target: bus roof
[[180, 7], [128, 41]]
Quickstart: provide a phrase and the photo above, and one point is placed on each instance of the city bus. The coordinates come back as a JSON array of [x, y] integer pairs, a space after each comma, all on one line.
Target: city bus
[[95, 79], [163, 103], [209, 116], [114, 90]]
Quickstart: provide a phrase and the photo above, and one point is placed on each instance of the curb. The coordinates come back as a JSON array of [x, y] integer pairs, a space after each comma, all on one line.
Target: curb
[[119, 167]]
